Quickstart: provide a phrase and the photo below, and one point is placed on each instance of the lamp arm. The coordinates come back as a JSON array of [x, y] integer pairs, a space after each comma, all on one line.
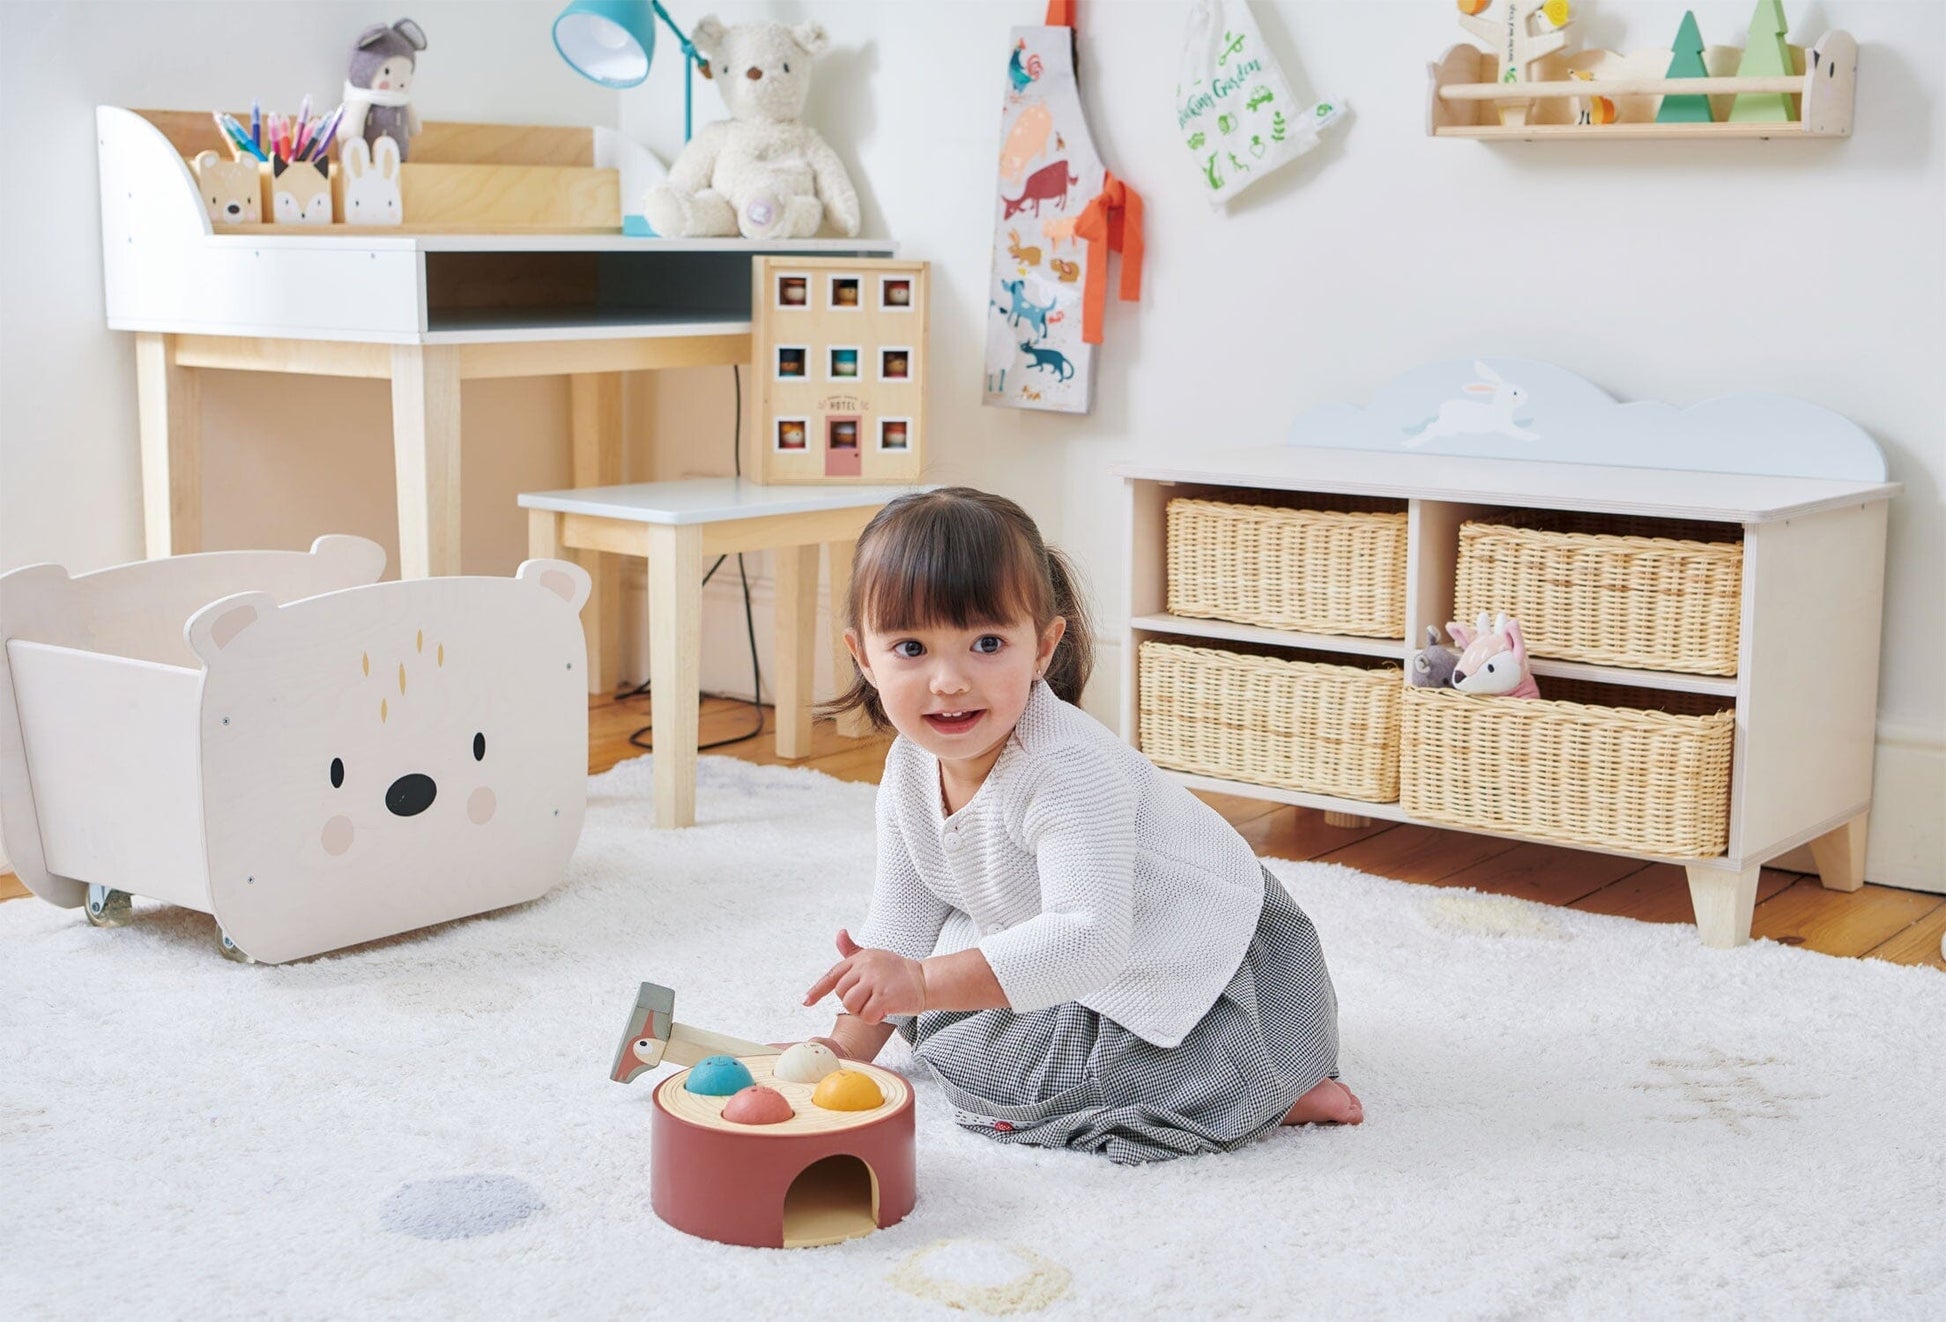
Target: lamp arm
[[690, 62]]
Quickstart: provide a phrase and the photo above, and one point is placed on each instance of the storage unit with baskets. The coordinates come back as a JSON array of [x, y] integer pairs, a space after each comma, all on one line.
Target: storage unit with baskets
[[1684, 627]]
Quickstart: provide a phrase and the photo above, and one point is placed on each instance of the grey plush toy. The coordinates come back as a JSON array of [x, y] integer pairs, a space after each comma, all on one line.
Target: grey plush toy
[[378, 87], [1432, 665]]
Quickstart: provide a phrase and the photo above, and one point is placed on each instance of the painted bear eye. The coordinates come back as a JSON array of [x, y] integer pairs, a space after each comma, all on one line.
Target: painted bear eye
[[337, 773], [479, 748]]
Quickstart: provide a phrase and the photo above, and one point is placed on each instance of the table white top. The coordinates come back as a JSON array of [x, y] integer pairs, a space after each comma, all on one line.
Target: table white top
[[1654, 492], [707, 500]]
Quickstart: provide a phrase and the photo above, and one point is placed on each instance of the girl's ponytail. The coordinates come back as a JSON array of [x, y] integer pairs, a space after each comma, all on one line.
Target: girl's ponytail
[[1074, 657]]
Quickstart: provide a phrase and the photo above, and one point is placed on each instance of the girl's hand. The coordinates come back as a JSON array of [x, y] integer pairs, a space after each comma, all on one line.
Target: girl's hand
[[872, 983]]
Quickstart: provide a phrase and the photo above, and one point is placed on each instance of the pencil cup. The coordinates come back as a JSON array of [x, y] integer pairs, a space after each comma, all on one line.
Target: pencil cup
[[300, 193]]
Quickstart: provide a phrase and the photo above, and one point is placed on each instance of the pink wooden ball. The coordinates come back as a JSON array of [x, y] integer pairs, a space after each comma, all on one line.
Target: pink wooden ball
[[757, 1105]]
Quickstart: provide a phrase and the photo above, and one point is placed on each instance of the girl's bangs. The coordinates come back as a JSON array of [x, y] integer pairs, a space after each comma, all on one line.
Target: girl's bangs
[[945, 568]]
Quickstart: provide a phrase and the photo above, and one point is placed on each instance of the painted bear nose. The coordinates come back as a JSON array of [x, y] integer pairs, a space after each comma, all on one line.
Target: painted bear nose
[[753, 73], [410, 795]]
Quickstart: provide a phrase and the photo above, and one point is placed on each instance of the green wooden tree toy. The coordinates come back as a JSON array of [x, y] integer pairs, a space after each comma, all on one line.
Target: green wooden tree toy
[[1766, 54], [1686, 61]]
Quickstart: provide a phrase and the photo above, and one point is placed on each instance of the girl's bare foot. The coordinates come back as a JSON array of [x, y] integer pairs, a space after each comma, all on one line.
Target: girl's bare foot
[[1330, 1103]]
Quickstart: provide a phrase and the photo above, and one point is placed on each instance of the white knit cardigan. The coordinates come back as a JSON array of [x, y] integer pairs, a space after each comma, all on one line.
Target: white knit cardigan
[[1081, 872]]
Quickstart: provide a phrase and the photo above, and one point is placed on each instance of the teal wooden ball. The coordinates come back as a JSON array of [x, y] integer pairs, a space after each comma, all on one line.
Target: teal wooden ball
[[719, 1076]]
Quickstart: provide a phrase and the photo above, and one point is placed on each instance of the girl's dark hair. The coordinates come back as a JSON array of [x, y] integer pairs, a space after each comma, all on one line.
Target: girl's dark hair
[[962, 558]]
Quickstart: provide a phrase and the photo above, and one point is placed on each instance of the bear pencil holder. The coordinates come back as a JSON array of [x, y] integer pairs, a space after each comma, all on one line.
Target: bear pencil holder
[[314, 758]]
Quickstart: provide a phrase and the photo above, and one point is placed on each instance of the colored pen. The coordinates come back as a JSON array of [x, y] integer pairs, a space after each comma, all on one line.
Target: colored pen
[[257, 125]]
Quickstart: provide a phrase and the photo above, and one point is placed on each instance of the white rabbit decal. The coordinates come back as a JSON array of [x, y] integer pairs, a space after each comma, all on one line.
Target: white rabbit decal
[[372, 184], [1473, 417]]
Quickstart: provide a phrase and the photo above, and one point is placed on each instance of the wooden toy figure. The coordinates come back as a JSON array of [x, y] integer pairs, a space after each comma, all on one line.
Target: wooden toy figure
[[1686, 61], [772, 1151], [1513, 32], [1766, 54]]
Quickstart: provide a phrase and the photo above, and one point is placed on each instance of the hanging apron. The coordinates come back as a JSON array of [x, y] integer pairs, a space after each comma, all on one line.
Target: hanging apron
[[1050, 278]]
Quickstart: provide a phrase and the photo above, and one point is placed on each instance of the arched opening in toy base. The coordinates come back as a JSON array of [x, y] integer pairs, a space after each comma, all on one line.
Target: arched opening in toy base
[[832, 1200]]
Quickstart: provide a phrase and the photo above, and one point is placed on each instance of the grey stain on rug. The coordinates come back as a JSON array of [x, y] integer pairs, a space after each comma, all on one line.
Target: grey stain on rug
[[459, 1206]]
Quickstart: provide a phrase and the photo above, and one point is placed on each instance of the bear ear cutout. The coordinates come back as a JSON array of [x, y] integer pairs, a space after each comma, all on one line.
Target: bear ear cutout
[[565, 579], [812, 37], [205, 159], [360, 559], [213, 629]]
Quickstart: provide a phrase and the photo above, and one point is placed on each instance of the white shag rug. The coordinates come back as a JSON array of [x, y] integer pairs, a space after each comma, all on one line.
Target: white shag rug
[[1569, 1115]]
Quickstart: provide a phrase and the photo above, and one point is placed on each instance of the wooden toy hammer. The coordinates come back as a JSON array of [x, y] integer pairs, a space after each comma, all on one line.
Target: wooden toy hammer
[[654, 1036]]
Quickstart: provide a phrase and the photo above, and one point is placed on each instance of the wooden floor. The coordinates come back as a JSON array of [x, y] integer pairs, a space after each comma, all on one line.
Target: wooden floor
[[1876, 922]]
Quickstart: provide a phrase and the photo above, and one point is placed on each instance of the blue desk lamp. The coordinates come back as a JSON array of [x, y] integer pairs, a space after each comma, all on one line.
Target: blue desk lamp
[[612, 42]]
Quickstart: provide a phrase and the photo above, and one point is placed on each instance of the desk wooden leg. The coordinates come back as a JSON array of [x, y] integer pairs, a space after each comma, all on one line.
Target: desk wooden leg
[[675, 641], [797, 630], [1724, 903], [425, 454], [1840, 856], [169, 400], [852, 725], [595, 426]]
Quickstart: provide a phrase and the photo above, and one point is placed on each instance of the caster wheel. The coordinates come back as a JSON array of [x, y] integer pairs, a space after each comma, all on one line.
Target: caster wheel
[[231, 950], [108, 907]]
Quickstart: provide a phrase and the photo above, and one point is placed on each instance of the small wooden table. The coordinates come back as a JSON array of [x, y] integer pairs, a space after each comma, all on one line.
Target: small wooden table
[[675, 526]]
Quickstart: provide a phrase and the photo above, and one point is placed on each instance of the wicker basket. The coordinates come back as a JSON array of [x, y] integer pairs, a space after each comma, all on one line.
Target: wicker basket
[[1330, 571], [1607, 597], [1627, 779], [1299, 725]]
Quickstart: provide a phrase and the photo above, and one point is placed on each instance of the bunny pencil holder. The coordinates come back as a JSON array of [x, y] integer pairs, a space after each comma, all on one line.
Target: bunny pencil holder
[[372, 193], [1493, 658]]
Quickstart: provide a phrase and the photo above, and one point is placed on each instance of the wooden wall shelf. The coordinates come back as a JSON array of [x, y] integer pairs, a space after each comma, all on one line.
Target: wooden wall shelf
[[1462, 98]]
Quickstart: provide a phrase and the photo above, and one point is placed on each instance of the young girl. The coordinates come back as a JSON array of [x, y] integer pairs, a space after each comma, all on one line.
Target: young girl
[[1082, 953]]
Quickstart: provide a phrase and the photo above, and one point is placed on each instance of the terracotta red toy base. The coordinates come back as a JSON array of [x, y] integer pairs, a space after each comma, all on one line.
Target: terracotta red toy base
[[820, 1177]]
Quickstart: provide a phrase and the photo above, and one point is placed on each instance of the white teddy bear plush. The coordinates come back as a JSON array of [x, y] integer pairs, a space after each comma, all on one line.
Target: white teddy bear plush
[[762, 172]]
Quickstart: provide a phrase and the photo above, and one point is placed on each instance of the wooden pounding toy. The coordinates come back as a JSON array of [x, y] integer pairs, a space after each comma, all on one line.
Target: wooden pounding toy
[[735, 1170]]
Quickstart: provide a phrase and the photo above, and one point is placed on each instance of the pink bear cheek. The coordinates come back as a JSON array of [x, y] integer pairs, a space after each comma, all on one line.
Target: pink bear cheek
[[480, 805], [337, 835]]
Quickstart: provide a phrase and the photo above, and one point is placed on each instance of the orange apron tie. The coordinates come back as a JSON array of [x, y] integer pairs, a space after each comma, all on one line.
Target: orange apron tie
[[1060, 13], [1110, 223]]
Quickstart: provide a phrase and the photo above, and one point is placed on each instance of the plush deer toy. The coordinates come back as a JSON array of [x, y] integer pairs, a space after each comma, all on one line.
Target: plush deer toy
[[1493, 659]]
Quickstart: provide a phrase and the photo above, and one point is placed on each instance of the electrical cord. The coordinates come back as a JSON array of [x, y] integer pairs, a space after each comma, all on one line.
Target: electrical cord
[[755, 700]]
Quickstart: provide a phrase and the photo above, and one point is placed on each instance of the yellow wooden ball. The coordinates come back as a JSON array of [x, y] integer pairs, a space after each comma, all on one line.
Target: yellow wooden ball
[[847, 1090]]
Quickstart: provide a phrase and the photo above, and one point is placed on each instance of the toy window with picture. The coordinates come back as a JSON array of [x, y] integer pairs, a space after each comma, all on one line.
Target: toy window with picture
[[895, 433], [844, 362], [793, 434], [842, 433], [793, 362], [846, 293], [895, 293], [895, 363], [793, 291]]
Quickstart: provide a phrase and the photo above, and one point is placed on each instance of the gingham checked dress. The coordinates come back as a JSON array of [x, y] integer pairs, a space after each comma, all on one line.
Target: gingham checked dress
[[1168, 996]]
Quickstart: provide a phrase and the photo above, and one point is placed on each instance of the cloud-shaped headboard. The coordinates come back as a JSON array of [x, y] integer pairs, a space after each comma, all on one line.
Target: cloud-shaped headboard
[[1520, 408]]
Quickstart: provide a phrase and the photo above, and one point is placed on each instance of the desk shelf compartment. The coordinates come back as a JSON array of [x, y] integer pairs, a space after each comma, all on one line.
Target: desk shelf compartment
[[1251, 715], [1608, 590], [1634, 771], [1301, 562]]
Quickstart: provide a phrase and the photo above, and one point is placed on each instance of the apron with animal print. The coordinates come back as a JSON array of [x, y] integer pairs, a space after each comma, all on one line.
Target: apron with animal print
[[1049, 172]]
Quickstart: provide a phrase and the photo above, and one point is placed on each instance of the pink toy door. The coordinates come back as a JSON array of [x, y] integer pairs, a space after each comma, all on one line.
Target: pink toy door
[[1049, 172]]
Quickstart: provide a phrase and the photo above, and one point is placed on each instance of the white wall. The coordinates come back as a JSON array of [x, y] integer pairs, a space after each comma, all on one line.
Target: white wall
[[1660, 271]]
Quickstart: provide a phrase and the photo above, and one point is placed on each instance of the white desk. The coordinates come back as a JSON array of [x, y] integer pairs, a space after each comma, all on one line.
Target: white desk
[[676, 526], [424, 311]]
